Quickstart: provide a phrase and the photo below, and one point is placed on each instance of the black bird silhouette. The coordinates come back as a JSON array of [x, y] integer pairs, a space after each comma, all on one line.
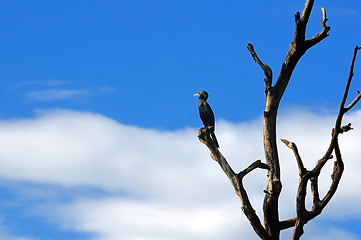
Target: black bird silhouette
[[206, 114]]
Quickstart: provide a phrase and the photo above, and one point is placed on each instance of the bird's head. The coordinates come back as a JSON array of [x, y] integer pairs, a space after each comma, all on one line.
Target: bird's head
[[202, 95]]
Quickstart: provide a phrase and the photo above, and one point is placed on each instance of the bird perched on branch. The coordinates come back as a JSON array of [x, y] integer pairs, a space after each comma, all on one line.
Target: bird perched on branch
[[206, 114]]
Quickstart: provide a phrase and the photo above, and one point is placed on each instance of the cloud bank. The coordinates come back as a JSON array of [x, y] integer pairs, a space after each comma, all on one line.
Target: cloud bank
[[163, 184]]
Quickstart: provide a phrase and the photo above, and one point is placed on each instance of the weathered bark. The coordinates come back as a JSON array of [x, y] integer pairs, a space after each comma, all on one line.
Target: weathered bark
[[272, 226], [273, 97]]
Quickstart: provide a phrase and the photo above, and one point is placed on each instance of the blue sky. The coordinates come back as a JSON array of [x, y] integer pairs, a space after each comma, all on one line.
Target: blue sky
[[145, 58], [93, 91]]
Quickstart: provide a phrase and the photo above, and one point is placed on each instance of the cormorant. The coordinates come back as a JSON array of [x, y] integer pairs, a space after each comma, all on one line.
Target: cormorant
[[206, 114]]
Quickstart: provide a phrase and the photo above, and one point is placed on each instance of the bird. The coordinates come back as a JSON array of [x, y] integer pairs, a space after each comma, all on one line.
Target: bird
[[206, 114]]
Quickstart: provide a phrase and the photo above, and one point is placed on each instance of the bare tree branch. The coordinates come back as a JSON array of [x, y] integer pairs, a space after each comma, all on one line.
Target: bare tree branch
[[285, 224], [350, 78], [246, 204], [336, 177], [204, 137], [236, 180], [266, 69], [320, 36], [273, 97], [353, 103], [253, 166], [293, 147], [303, 216], [341, 113], [307, 11], [315, 191]]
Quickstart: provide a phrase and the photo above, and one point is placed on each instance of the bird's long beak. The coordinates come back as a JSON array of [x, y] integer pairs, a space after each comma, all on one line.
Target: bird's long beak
[[197, 94]]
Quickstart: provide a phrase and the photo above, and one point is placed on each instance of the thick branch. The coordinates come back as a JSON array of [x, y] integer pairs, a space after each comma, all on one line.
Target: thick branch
[[315, 191], [288, 223], [236, 180], [307, 11], [270, 204], [273, 97], [204, 137]]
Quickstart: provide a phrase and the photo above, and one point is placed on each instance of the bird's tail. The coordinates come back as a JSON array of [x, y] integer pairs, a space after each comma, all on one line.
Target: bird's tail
[[214, 139]]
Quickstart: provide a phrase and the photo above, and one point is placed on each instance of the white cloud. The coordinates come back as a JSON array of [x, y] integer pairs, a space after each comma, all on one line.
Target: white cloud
[[57, 94], [47, 83], [5, 235], [116, 218], [163, 184]]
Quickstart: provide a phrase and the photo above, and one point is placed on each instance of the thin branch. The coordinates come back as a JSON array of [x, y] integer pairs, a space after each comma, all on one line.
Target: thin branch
[[341, 113], [302, 170], [246, 204], [253, 166], [353, 103], [346, 128], [322, 35], [336, 177], [324, 18], [266, 69], [349, 77]]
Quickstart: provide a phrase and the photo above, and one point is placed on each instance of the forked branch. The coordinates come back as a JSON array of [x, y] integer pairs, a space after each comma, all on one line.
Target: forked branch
[[323, 34], [303, 216]]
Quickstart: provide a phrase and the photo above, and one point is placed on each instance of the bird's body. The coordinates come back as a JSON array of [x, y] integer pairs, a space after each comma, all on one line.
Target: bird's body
[[206, 114]]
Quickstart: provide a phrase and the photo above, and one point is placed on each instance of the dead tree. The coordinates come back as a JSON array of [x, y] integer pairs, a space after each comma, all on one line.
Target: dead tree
[[272, 225]]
